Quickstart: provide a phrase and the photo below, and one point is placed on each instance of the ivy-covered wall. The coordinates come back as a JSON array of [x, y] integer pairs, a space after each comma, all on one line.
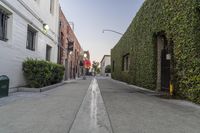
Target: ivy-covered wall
[[180, 21]]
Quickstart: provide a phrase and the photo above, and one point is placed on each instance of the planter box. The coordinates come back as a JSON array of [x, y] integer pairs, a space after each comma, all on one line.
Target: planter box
[[46, 88]]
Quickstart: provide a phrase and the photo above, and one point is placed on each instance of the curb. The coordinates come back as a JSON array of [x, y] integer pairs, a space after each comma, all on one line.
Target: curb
[[46, 88], [12, 90], [134, 86], [174, 101]]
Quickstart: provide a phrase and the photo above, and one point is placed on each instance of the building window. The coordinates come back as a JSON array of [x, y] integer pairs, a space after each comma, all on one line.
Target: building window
[[31, 37], [51, 6], [60, 48], [113, 66], [126, 62], [59, 55], [48, 53], [3, 25]]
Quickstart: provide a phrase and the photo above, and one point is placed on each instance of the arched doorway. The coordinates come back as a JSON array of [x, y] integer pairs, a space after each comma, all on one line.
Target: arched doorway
[[163, 63]]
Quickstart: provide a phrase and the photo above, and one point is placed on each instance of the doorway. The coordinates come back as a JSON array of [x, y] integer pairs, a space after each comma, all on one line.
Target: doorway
[[66, 69], [163, 64]]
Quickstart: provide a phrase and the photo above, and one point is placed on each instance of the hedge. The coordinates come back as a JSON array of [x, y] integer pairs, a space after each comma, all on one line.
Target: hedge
[[180, 21], [108, 69], [40, 73]]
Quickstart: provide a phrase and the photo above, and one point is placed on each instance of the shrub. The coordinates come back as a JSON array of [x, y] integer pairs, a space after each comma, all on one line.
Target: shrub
[[40, 73], [194, 95], [108, 69]]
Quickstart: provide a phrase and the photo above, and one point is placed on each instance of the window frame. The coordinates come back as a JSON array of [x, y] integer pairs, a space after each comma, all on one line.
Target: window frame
[[48, 52], [113, 66], [126, 62], [4, 28], [32, 32]]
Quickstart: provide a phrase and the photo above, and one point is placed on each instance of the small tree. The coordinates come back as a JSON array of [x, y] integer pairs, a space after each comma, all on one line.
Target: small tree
[[98, 70], [108, 69], [95, 66]]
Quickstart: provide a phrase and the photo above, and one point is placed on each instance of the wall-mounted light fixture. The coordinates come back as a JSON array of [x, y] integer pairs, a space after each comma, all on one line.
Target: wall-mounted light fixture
[[85, 55], [168, 56], [45, 27]]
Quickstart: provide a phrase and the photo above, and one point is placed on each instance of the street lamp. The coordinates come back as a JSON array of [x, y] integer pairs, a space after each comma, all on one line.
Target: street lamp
[[84, 71], [112, 31], [85, 55]]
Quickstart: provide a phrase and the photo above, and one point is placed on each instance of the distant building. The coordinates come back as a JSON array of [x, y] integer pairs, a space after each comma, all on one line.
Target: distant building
[[69, 49], [105, 62], [24, 34]]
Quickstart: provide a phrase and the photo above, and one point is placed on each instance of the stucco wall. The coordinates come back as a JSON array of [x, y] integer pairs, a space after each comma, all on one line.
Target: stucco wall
[[105, 61], [14, 52]]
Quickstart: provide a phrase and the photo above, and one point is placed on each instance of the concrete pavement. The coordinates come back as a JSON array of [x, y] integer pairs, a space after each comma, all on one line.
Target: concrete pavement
[[80, 107], [48, 112], [135, 111]]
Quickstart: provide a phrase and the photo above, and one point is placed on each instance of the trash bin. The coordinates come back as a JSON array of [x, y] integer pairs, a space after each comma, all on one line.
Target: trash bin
[[4, 86]]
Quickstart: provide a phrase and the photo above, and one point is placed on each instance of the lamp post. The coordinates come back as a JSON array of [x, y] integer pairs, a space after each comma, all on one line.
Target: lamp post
[[84, 71], [109, 30]]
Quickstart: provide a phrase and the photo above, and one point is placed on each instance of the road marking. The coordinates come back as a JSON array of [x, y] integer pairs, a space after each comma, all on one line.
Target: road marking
[[92, 116]]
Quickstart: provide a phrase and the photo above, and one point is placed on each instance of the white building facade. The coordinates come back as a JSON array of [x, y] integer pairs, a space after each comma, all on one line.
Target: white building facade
[[106, 60], [23, 35]]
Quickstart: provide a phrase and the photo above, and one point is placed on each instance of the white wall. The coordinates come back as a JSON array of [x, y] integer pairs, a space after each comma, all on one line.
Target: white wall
[[13, 52], [105, 61]]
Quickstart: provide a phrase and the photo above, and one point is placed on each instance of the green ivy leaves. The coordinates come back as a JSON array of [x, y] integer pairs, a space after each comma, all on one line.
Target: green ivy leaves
[[180, 20]]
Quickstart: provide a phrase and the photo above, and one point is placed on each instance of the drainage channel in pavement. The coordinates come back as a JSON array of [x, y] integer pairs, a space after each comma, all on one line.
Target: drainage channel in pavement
[[92, 116]]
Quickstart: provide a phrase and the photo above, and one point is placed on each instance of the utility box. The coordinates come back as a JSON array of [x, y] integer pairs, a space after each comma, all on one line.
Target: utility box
[[4, 86]]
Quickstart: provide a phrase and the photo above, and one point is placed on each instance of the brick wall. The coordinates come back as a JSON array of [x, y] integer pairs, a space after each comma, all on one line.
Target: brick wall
[[69, 60]]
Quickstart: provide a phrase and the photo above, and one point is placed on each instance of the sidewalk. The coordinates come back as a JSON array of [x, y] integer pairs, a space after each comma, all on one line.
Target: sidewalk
[[52, 111], [161, 95], [138, 111]]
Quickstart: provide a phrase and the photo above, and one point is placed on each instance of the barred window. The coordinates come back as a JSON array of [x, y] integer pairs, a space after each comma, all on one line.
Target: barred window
[[3, 25], [48, 53], [31, 36], [126, 62], [113, 66]]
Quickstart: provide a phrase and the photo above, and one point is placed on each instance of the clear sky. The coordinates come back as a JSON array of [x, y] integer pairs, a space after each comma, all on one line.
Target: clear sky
[[90, 17]]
